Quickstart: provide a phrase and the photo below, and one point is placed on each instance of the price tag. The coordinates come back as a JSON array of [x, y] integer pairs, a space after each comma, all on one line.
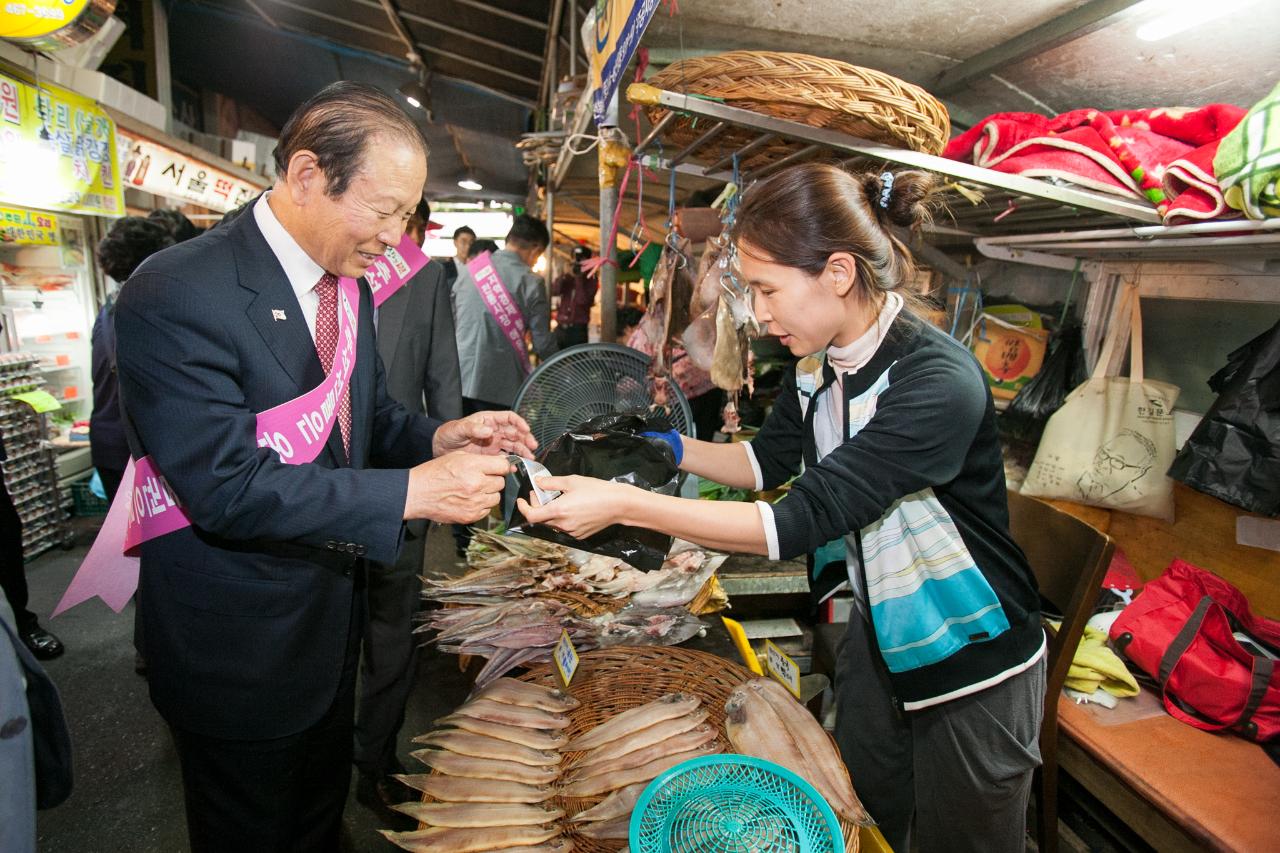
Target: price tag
[[41, 401], [566, 658], [782, 667]]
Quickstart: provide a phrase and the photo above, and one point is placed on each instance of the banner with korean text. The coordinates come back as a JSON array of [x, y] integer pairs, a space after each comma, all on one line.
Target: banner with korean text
[[615, 37], [57, 150], [158, 169]]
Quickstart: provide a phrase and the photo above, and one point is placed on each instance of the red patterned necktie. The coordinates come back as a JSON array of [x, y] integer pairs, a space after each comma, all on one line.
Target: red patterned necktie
[[327, 345]]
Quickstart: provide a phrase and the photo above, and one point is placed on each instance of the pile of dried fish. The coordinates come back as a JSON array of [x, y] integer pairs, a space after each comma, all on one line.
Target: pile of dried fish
[[513, 633], [508, 608], [765, 721], [629, 750], [496, 764]]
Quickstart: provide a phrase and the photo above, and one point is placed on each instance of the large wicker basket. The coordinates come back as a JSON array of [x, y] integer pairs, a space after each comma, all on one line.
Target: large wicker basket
[[809, 90], [610, 681]]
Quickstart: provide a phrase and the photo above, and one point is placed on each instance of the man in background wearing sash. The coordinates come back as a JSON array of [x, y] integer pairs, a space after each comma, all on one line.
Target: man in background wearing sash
[[492, 371], [253, 613], [420, 356]]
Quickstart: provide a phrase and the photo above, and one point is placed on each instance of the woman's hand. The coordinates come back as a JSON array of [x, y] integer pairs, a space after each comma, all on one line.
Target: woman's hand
[[488, 433], [585, 506]]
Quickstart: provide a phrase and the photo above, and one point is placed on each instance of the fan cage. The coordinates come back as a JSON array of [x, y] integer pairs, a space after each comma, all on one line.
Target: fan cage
[[589, 380]]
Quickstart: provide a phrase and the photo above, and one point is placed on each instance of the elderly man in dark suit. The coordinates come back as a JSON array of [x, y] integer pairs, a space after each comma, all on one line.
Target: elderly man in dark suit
[[416, 343], [254, 612]]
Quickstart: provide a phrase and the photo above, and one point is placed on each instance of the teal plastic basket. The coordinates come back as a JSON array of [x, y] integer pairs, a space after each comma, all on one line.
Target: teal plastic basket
[[733, 804]]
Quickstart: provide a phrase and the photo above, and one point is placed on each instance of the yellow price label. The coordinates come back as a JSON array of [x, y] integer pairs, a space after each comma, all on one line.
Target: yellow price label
[[41, 401], [782, 668], [566, 658]]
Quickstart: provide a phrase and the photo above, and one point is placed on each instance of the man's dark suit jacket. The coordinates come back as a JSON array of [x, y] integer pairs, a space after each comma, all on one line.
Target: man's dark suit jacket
[[418, 347], [247, 611]]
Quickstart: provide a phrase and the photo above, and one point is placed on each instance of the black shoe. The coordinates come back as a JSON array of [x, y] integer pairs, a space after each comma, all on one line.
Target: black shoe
[[382, 792], [43, 645]]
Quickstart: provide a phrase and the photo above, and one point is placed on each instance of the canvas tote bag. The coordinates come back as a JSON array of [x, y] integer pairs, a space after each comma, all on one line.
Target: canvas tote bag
[[1111, 443]]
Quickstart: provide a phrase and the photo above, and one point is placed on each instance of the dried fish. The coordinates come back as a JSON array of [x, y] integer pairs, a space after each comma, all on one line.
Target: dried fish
[[460, 789], [641, 739], [618, 804], [827, 773], [616, 829], [603, 784], [533, 696], [450, 840], [621, 725], [462, 815], [534, 738], [483, 746], [686, 742], [512, 715], [453, 764], [555, 845]]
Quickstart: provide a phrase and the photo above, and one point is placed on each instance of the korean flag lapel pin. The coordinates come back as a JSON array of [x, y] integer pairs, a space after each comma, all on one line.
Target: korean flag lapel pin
[[277, 314]]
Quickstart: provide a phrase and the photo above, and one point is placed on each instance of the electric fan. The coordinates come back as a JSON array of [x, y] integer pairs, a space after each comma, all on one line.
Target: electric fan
[[733, 804], [589, 380]]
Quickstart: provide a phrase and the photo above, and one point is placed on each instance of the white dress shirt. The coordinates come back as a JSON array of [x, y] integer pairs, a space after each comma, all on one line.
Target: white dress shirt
[[303, 273]]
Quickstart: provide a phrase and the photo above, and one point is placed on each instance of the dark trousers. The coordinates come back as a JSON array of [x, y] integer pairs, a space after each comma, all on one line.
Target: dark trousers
[[571, 335], [284, 795], [389, 656], [951, 777], [111, 478], [13, 573]]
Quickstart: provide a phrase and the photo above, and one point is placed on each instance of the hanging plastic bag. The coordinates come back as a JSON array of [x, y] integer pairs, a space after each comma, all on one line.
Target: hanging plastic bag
[[609, 447], [1112, 441], [1062, 371], [1234, 454]]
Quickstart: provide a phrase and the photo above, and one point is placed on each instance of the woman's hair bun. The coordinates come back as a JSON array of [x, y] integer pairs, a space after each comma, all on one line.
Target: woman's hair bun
[[902, 198]]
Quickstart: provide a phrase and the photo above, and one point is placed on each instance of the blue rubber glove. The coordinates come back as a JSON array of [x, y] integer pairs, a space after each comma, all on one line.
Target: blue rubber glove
[[672, 438]]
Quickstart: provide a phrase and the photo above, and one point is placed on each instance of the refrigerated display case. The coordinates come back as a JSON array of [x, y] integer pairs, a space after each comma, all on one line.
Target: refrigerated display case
[[47, 301]]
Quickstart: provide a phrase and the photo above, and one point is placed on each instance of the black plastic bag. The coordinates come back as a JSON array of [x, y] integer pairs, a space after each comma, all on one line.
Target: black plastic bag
[[1062, 372], [1234, 454], [610, 447]]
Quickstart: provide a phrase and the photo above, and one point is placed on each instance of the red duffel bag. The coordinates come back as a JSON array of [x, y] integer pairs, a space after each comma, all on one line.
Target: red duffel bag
[[1181, 631]]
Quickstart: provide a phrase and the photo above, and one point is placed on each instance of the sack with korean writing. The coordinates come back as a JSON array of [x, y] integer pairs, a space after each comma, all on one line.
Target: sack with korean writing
[[1111, 443]]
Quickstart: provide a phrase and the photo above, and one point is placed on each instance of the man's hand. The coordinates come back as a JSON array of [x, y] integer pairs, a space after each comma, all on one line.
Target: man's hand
[[456, 488], [489, 433]]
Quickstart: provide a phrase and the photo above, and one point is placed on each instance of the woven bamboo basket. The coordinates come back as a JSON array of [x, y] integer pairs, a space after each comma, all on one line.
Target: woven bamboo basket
[[811, 90], [610, 681]]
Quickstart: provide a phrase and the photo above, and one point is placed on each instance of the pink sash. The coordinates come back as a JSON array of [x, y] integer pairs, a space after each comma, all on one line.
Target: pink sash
[[145, 507], [498, 300]]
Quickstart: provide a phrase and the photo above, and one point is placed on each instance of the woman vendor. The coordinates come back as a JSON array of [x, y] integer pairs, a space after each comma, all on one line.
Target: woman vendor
[[940, 677]]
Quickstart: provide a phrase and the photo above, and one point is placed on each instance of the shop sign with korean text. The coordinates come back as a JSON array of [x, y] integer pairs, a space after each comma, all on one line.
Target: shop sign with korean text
[[158, 169], [57, 150], [51, 24], [28, 227], [614, 39]]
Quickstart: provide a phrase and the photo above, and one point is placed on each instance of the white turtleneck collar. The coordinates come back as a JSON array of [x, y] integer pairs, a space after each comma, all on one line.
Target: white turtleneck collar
[[853, 356]]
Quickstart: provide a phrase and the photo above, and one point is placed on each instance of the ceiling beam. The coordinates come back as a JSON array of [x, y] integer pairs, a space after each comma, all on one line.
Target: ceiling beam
[[1079, 22], [460, 33], [402, 31], [503, 13]]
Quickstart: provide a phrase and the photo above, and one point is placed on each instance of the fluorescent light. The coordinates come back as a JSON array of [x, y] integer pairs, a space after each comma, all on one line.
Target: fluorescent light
[[469, 184], [1182, 15]]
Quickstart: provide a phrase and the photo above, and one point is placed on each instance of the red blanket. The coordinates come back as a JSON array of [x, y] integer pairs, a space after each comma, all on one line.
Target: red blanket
[[1164, 156]]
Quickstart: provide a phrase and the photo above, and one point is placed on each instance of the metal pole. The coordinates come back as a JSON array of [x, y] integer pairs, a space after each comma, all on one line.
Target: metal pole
[[609, 271], [551, 230]]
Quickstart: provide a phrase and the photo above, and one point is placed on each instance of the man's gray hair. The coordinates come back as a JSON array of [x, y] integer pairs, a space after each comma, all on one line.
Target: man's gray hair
[[336, 124]]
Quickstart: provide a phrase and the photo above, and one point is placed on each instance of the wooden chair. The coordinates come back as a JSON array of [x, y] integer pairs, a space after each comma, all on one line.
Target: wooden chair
[[1069, 559]]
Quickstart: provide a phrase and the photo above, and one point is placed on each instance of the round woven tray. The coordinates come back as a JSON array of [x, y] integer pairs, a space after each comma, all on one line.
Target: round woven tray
[[810, 90], [610, 681]]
